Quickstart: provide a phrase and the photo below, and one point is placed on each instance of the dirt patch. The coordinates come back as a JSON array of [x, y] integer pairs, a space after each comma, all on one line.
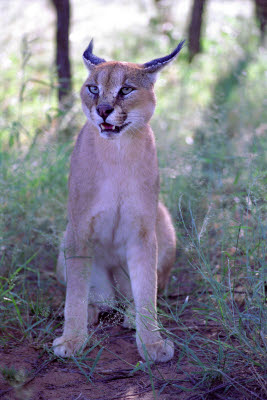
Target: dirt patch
[[113, 377], [110, 367]]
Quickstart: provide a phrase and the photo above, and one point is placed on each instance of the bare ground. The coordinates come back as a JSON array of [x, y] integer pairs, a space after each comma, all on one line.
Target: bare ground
[[119, 372], [112, 379]]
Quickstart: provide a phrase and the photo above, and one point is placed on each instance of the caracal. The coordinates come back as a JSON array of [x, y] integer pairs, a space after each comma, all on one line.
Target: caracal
[[120, 240]]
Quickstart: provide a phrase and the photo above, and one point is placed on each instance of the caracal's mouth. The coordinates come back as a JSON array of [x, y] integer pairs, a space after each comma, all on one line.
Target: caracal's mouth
[[110, 130]]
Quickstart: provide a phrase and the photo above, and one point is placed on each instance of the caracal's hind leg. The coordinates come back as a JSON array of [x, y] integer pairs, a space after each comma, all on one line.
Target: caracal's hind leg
[[166, 245], [101, 290], [124, 294]]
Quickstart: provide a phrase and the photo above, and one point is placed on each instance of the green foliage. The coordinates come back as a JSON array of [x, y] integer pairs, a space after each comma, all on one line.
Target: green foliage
[[13, 376]]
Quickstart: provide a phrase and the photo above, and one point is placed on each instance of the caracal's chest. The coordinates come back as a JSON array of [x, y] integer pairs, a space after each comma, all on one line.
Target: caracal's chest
[[117, 208]]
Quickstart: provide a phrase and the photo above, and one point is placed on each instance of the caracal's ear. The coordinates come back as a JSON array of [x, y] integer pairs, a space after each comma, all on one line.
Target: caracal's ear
[[89, 59], [154, 66]]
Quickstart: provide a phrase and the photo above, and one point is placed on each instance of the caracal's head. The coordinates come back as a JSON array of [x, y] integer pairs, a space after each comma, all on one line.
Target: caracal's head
[[118, 97]]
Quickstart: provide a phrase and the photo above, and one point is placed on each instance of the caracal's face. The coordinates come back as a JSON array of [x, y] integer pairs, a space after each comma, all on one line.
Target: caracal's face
[[118, 98]]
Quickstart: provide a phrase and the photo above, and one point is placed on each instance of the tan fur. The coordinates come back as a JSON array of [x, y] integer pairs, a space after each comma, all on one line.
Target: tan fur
[[118, 234]]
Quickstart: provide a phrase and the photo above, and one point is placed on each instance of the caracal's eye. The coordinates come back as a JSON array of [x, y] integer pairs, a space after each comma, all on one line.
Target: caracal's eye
[[93, 89], [126, 90]]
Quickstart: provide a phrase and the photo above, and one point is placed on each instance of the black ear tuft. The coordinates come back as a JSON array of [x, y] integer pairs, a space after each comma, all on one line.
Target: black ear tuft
[[89, 58], [159, 63]]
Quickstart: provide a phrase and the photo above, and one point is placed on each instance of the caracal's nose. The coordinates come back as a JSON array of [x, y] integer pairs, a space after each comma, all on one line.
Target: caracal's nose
[[104, 110]]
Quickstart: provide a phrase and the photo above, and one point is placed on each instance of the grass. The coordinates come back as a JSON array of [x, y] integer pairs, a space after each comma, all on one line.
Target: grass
[[210, 131]]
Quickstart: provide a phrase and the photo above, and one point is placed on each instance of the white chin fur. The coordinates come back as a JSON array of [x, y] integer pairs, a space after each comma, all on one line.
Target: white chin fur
[[110, 136]]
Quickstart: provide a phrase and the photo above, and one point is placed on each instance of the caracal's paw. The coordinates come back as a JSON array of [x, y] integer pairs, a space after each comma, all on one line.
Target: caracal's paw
[[161, 351], [67, 346]]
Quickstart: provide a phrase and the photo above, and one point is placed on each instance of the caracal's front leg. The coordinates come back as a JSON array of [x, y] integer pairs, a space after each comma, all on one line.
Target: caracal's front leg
[[142, 261], [78, 263]]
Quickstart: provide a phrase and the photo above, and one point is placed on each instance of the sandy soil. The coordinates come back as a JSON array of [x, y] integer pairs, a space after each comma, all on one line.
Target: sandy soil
[[48, 378], [119, 372], [52, 379]]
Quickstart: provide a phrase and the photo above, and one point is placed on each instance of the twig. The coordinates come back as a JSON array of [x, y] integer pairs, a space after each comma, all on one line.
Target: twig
[[221, 386]]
